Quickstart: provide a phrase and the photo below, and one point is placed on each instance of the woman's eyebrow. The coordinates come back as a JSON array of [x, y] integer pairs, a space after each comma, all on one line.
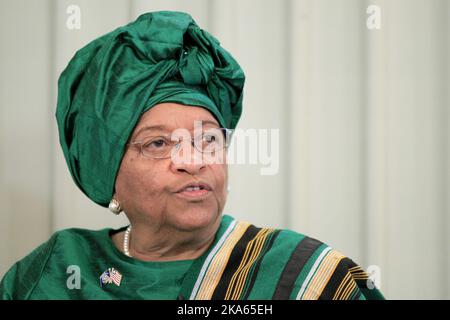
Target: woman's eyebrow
[[164, 128], [149, 128], [210, 122]]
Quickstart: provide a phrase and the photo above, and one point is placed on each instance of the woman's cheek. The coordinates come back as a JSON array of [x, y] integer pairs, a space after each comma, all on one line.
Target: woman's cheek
[[221, 175], [153, 182]]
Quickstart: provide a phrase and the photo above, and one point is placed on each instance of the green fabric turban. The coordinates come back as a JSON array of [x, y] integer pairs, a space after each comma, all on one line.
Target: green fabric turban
[[106, 87]]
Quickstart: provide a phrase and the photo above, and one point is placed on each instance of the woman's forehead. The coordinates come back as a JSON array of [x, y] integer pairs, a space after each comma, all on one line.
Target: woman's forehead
[[171, 116]]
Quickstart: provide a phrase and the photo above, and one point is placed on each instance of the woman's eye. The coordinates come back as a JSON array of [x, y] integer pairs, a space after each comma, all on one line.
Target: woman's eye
[[209, 138], [157, 143]]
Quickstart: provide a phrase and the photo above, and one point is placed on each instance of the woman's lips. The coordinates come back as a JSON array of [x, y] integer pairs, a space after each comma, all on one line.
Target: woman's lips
[[195, 185], [194, 194], [195, 190]]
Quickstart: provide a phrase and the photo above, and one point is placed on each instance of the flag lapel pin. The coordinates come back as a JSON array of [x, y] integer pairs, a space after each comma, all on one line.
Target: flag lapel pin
[[110, 276]]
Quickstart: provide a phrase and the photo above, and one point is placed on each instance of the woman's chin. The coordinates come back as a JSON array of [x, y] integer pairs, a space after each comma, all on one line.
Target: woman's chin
[[195, 220]]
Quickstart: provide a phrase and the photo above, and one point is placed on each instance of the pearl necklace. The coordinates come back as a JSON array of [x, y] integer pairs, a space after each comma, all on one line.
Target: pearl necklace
[[126, 241]]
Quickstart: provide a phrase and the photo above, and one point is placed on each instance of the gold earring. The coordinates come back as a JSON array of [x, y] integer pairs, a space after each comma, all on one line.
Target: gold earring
[[114, 206]]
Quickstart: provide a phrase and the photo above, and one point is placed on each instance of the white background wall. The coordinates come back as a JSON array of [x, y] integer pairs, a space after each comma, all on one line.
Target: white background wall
[[363, 118]]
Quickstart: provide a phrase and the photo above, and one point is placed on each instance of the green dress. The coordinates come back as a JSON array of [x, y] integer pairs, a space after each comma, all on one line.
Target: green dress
[[244, 262]]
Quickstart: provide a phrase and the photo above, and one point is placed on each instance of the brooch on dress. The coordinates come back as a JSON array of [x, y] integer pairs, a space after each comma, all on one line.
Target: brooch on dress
[[110, 276]]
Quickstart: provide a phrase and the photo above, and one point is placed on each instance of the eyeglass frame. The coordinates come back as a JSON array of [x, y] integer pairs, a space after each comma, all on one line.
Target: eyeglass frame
[[227, 132]]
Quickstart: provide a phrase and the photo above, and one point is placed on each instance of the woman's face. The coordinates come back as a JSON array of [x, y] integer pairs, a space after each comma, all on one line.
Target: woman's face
[[149, 189]]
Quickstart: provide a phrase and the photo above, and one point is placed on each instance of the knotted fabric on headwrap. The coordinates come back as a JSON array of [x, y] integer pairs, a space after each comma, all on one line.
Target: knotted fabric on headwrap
[[161, 57]]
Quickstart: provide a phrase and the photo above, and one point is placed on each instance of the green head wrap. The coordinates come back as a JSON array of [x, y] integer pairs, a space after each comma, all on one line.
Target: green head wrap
[[161, 57]]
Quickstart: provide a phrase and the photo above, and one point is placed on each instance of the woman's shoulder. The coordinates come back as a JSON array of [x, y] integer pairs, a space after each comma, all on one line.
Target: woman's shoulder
[[283, 239], [80, 235], [288, 241], [67, 239], [21, 279], [304, 267]]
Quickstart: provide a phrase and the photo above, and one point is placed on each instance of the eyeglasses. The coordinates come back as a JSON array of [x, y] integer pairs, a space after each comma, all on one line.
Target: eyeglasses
[[162, 147]]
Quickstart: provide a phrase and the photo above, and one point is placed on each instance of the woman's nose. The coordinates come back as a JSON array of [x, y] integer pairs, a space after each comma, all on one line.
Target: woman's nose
[[187, 158]]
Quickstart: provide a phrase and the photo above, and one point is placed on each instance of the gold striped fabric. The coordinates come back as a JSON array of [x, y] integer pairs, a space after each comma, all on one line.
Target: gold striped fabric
[[345, 288], [229, 272], [251, 253], [322, 275], [218, 264], [358, 273], [348, 285]]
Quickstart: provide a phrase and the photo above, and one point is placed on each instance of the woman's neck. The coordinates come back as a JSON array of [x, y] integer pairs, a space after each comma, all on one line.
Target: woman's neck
[[166, 245]]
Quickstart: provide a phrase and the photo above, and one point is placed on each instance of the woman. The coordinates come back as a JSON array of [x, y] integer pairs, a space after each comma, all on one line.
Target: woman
[[144, 116]]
